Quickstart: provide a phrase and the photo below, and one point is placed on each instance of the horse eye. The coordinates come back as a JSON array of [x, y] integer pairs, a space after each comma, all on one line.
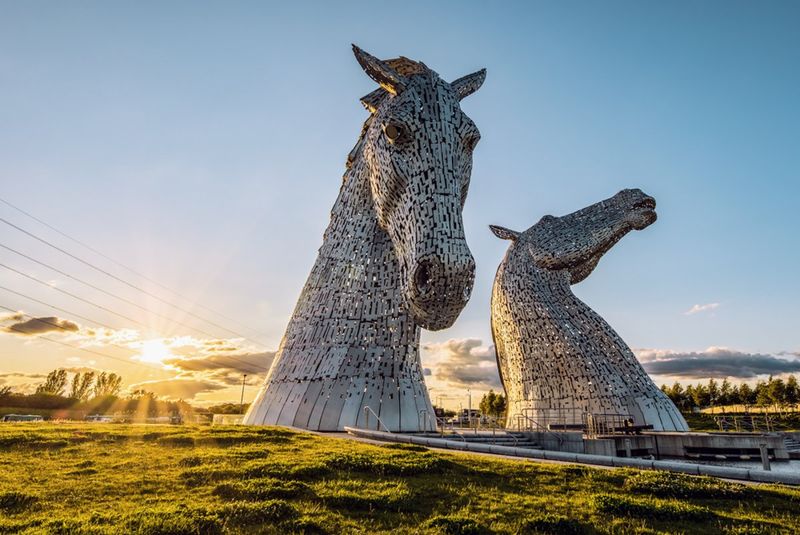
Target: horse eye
[[393, 132]]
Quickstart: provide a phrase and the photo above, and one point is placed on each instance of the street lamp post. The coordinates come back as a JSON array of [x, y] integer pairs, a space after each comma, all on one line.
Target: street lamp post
[[241, 399], [469, 409]]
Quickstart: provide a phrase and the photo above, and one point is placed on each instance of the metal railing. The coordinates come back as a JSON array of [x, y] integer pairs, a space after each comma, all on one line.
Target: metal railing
[[533, 425], [606, 424], [745, 423], [367, 411]]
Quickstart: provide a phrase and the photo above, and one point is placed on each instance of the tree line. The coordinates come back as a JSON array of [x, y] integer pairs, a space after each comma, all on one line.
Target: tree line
[[772, 392], [91, 393]]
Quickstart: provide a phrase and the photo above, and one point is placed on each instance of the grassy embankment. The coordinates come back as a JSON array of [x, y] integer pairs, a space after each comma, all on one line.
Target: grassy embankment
[[780, 421], [79, 478]]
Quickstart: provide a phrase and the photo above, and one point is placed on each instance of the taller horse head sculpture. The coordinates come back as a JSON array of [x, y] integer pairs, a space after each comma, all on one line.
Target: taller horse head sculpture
[[394, 259]]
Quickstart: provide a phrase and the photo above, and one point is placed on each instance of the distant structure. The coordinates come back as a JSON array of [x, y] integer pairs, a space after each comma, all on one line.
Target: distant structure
[[559, 360], [393, 260]]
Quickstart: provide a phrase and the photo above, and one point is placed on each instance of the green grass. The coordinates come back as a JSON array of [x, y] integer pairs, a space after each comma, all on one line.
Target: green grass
[[158, 480]]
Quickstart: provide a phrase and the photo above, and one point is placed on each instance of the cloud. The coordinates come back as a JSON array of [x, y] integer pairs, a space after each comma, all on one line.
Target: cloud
[[465, 363], [715, 362], [701, 308], [40, 325], [178, 388]]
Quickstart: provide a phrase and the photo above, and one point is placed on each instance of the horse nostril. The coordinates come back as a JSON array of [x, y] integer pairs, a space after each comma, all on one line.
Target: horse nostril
[[422, 278]]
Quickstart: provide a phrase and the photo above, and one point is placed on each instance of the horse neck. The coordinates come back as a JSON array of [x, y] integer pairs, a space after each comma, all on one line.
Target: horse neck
[[356, 272]]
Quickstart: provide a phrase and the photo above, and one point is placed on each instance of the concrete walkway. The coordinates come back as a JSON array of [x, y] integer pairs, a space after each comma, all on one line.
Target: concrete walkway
[[727, 472]]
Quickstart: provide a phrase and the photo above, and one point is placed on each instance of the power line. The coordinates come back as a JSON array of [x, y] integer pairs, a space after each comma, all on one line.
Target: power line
[[137, 288], [106, 292], [128, 268], [58, 308], [56, 288], [230, 357]]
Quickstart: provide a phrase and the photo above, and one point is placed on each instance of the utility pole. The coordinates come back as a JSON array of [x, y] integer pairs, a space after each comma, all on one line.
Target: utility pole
[[241, 400], [469, 413]]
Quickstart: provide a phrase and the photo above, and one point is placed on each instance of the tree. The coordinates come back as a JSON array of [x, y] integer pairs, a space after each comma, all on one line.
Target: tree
[[736, 397], [762, 395], [499, 405], [5, 391], [776, 391], [54, 384], [713, 392], [82, 386], [792, 392], [689, 397], [747, 395], [493, 404], [486, 403], [676, 394], [107, 384], [700, 396], [725, 391]]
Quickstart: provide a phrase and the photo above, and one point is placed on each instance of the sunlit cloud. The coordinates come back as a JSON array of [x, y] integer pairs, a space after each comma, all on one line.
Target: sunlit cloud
[[701, 308], [464, 363]]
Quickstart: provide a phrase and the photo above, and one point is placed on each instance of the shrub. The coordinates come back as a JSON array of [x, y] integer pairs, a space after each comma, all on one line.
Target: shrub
[[14, 502], [405, 447], [455, 525], [154, 435], [366, 496], [190, 462], [260, 489], [177, 521], [248, 514], [551, 523], [194, 477], [288, 470], [399, 463], [670, 485], [650, 509], [176, 440]]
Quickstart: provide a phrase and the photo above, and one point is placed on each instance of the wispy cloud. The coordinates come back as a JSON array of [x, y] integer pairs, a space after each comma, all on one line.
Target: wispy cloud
[[179, 388], [701, 308], [715, 362]]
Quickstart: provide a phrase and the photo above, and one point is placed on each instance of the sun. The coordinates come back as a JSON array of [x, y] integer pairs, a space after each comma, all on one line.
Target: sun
[[154, 351]]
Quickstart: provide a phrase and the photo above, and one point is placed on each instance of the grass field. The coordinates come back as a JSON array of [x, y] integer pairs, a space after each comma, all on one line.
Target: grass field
[[79, 478]]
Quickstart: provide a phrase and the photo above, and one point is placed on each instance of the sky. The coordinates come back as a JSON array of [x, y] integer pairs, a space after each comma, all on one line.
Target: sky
[[202, 144]]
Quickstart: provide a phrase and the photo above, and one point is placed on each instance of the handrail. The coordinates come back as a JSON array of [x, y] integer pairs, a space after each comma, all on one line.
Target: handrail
[[536, 426], [427, 419], [367, 410]]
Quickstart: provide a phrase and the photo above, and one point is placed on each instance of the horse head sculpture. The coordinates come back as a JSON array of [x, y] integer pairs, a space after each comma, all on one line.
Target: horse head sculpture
[[417, 147], [577, 241], [393, 261], [560, 362]]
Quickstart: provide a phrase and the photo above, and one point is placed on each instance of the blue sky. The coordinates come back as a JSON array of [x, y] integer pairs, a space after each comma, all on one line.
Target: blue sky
[[203, 143]]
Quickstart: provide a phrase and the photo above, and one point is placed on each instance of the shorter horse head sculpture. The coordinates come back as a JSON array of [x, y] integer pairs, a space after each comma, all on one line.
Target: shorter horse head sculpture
[[577, 241], [558, 358], [417, 151]]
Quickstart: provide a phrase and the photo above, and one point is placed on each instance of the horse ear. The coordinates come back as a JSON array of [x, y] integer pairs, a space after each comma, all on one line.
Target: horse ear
[[504, 233], [379, 71], [374, 99], [467, 85]]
